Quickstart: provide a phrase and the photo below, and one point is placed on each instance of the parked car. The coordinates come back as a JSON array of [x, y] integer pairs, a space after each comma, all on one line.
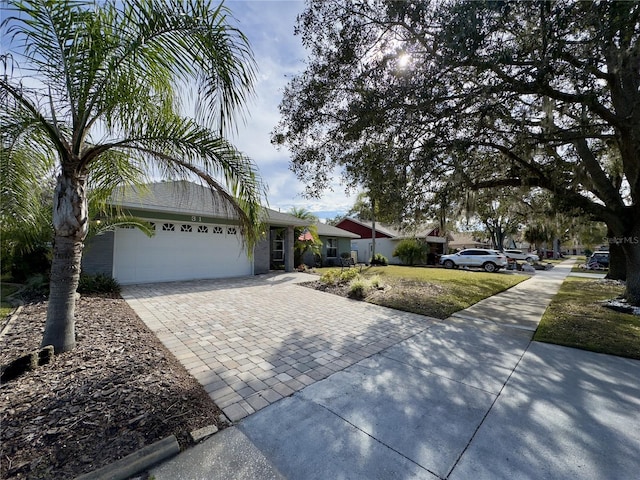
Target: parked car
[[518, 255], [600, 257], [489, 260]]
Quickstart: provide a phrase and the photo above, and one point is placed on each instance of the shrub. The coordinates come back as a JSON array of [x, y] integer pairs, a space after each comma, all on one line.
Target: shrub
[[348, 275], [26, 265], [376, 281], [379, 259], [36, 286], [330, 277], [359, 287], [98, 283], [411, 251]]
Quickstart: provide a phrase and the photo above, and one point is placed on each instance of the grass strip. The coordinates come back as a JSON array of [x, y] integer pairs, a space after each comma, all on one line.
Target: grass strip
[[435, 292], [576, 319]]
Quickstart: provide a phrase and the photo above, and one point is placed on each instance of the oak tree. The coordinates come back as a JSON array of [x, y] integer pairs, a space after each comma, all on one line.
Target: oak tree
[[541, 94]]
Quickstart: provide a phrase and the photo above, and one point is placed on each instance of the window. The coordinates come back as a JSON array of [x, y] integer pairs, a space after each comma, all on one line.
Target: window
[[168, 227], [232, 230], [186, 228], [332, 247], [217, 230], [203, 229]]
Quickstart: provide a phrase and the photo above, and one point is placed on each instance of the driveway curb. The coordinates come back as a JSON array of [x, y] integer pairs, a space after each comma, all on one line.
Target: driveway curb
[[136, 462]]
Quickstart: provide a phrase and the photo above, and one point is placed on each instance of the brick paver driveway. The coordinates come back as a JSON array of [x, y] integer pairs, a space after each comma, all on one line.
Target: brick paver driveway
[[253, 340]]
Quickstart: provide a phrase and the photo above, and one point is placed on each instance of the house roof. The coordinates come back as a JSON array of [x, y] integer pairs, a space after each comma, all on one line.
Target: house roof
[[184, 197], [420, 231], [367, 224], [330, 231], [274, 217], [464, 239]]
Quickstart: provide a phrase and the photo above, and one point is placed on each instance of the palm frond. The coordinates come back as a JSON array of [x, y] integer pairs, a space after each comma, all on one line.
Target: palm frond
[[182, 149], [108, 223]]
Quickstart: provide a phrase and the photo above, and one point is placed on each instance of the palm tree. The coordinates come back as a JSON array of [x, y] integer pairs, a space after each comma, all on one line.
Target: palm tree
[[310, 241], [95, 86]]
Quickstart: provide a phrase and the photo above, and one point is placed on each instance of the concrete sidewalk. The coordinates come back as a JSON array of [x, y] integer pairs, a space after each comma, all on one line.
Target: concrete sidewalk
[[471, 397]]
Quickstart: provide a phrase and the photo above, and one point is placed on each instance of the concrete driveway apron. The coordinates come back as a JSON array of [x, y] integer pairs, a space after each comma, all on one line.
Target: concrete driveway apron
[[252, 341]]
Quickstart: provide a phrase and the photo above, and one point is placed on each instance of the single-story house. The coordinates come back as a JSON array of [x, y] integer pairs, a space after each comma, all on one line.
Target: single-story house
[[196, 237], [388, 238], [335, 242], [462, 240]]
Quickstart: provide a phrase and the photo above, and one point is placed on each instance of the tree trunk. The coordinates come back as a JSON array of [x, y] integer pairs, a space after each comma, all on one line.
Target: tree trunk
[[631, 247], [500, 236], [70, 223], [617, 262]]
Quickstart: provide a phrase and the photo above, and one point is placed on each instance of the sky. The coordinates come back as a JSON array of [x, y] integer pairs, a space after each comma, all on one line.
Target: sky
[[269, 26]]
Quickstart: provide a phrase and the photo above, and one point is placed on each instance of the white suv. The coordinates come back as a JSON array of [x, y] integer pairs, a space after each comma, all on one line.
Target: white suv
[[518, 255], [489, 260]]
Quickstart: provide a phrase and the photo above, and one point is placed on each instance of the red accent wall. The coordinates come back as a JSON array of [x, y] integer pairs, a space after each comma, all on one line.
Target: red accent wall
[[364, 232]]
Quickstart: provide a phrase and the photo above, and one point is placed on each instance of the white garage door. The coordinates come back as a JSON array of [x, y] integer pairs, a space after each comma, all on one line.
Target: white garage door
[[179, 251]]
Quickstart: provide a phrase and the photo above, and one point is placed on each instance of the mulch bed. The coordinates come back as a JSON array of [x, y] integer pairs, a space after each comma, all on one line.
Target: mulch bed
[[119, 390]]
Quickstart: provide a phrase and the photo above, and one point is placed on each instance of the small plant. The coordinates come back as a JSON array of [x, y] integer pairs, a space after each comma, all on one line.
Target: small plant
[[376, 282], [330, 277], [99, 283], [348, 275], [36, 286], [379, 259], [359, 287]]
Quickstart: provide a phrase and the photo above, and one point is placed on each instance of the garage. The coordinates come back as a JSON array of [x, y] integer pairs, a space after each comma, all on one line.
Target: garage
[[195, 237], [179, 251]]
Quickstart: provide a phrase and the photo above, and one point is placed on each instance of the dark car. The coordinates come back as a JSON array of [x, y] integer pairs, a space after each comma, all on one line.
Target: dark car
[[602, 258]]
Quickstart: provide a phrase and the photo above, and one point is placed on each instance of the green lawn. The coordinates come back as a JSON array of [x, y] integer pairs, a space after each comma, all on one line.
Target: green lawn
[[575, 319], [435, 292]]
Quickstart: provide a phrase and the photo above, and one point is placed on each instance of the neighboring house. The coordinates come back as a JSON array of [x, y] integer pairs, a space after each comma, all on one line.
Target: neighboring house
[[196, 237], [462, 240], [388, 238], [335, 242]]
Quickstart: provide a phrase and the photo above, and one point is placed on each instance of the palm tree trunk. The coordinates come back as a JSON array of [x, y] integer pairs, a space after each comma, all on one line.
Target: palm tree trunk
[[70, 222], [65, 274]]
